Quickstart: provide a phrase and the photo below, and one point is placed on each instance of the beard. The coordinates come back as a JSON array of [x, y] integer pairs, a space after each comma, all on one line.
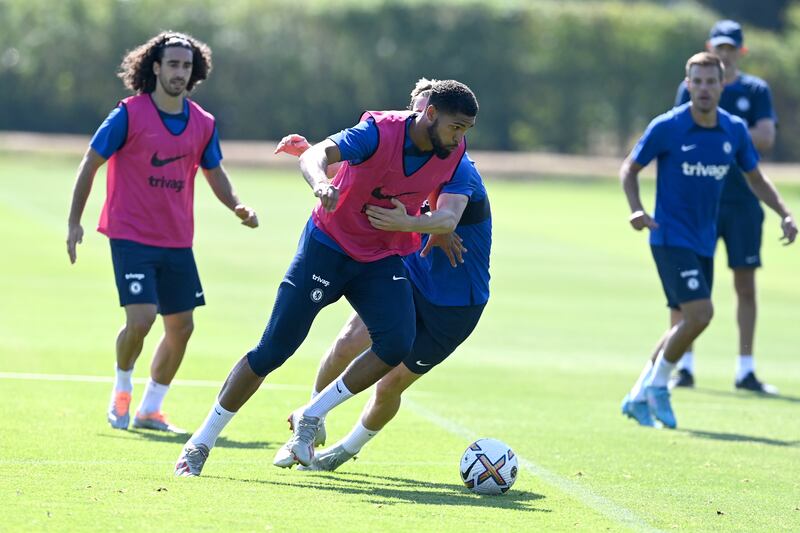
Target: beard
[[440, 150], [169, 89]]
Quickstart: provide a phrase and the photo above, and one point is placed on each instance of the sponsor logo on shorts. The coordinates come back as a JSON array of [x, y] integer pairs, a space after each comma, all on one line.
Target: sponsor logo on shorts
[[420, 363], [198, 294], [751, 259], [700, 170], [135, 287], [316, 295], [319, 279], [689, 273], [396, 278], [134, 275]]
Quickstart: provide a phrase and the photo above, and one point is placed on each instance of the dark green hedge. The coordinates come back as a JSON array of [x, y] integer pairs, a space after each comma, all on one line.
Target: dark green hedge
[[563, 76]]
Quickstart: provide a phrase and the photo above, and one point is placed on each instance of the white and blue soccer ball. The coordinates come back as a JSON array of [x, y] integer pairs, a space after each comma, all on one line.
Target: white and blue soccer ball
[[489, 466]]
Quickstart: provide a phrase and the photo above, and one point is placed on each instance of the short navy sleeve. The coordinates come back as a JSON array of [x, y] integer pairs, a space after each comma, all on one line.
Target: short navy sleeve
[[212, 155], [762, 104], [357, 144], [683, 94], [463, 181], [652, 143], [111, 134], [746, 155]]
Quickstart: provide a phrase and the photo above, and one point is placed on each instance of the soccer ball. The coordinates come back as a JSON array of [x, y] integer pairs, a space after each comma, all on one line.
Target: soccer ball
[[489, 466]]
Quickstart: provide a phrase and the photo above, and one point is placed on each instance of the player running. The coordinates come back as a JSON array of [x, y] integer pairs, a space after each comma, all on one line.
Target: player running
[[448, 303], [740, 214], [695, 145], [393, 160], [154, 142]]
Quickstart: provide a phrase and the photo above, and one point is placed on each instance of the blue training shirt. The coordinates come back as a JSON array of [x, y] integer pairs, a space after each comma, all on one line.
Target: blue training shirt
[[692, 164], [748, 97], [113, 132], [468, 283], [439, 283]]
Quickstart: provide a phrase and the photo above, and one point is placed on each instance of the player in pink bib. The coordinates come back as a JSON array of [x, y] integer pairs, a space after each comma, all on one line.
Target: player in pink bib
[[352, 246], [154, 143]]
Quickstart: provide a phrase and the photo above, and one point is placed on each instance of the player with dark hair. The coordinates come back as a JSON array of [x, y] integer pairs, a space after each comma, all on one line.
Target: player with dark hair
[[448, 304], [154, 142], [695, 145], [740, 214], [139, 75], [352, 246]]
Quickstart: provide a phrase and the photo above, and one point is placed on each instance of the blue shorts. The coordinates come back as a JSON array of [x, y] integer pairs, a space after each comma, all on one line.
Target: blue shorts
[[440, 329], [166, 277], [685, 275], [739, 226], [319, 275]]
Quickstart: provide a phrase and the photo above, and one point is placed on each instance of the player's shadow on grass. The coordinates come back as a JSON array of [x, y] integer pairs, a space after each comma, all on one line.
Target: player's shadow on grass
[[737, 437], [387, 490], [222, 442], [746, 395]]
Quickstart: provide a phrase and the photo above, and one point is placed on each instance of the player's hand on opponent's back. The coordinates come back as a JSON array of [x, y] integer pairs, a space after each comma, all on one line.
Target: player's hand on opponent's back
[[640, 220], [328, 195], [247, 215], [75, 237], [789, 228], [293, 144], [450, 243]]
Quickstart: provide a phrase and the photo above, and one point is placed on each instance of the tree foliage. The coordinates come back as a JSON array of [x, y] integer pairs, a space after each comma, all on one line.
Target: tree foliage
[[564, 76]]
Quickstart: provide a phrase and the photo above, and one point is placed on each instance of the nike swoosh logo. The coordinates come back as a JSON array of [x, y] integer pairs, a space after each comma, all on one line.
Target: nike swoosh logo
[[377, 193], [215, 410], [420, 363], [338, 389], [198, 294], [395, 278], [156, 162], [465, 474], [687, 147]]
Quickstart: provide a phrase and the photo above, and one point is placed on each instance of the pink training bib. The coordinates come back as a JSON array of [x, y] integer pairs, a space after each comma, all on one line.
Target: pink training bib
[[374, 182], [150, 179]]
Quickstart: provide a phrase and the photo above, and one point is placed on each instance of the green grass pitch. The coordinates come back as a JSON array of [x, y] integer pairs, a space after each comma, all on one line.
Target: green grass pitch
[[576, 306]]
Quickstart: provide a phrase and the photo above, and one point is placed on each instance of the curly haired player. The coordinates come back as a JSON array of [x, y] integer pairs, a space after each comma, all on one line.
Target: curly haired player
[[154, 141]]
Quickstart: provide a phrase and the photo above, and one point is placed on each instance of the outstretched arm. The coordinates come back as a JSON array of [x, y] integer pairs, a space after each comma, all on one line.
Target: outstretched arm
[[766, 192], [314, 164], [629, 176], [449, 208], [295, 144], [223, 189], [80, 194]]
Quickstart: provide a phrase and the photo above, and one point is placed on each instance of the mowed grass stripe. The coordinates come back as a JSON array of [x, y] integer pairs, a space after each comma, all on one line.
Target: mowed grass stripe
[[575, 490], [140, 381], [576, 306]]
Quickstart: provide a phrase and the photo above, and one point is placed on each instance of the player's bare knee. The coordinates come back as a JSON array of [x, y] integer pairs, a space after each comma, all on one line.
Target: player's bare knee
[[139, 326], [183, 330], [746, 292], [345, 349], [388, 386], [388, 391], [699, 317]]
